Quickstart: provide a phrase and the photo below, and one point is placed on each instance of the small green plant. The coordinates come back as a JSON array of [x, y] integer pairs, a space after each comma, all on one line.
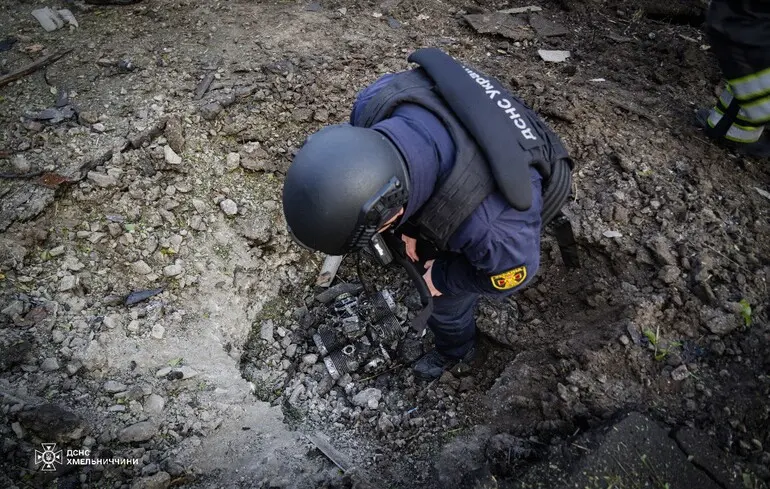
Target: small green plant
[[660, 352], [175, 362], [745, 312]]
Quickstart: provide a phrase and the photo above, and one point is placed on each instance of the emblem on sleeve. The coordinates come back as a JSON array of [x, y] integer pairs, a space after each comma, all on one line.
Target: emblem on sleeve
[[510, 279]]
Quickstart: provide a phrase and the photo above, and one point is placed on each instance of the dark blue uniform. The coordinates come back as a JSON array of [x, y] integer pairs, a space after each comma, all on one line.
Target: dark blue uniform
[[495, 252]]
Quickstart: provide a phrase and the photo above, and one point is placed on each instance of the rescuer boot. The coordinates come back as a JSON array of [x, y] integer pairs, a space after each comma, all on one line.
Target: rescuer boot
[[758, 149], [431, 365]]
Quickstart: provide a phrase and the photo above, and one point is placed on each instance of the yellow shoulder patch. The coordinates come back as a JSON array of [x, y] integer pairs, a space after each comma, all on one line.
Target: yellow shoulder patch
[[510, 279]]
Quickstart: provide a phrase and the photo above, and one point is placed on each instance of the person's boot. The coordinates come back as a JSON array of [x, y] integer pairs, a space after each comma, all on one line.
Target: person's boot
[[757, 149], [431, 365]]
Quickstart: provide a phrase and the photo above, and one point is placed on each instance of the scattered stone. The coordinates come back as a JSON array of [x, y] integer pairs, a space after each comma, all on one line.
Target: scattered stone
[[67, 283], [233, 161], [15, 308], [200, 206], [254, 158], [17, 429], [98, 127], [296, 393], [721, 323], [68, 17], [449, 380], [163, 372], [161, 480], [321, 115], [158, 332], [670, 274], [521, 10], [552, 56], [141, 267], [612, 234], [546, 28], [48, 18], [53, 423], [171, 157], [173, 270], [384, 424], [102, 179], [309, 359], [138, 432], [20, 163], [368, 397], [229, 207], [174, 134], [266, 330], [514, 28], [211, 110], [393, 23], [57, 251], [113, 387], [49, 365], [258, 230], [680, 373], [661, 248], [197, 224], [466, 384], [154, 404]]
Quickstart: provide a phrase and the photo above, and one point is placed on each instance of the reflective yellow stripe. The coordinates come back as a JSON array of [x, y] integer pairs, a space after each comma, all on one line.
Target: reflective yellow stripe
[[756, 112], [737, 133], [751, 86]]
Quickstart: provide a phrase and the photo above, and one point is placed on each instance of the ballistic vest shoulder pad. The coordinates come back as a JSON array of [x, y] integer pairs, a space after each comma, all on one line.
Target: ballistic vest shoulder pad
[[473, 177]]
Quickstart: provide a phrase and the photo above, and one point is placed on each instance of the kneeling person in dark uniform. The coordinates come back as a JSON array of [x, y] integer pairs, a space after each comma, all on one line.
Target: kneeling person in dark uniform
[[413, 160]]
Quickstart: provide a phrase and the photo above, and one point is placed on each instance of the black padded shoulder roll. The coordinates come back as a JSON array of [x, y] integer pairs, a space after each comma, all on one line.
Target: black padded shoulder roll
[[489, 113]]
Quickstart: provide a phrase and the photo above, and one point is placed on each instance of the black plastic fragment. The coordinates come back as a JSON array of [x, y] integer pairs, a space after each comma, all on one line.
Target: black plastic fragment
[[141, 295]]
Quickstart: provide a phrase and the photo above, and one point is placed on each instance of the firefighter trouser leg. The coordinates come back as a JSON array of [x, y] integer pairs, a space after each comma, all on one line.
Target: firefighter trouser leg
[[742, 46], [453, 323], [743, 109]]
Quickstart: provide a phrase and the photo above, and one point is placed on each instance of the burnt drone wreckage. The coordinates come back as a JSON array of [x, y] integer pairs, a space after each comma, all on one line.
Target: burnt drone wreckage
[[364, 334]]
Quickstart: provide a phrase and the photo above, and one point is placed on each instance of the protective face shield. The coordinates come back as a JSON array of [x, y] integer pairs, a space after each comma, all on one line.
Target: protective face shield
[[343, 185]]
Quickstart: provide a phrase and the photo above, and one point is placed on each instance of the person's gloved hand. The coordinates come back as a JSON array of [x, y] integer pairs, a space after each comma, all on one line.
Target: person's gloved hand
[[411, 247], [428, 280]]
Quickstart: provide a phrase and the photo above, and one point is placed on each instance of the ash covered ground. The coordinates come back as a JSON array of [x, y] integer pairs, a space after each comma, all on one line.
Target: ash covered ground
[[139, 184]]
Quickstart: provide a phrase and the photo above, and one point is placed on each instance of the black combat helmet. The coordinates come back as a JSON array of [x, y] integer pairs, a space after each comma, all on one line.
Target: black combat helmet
[[343, 185]]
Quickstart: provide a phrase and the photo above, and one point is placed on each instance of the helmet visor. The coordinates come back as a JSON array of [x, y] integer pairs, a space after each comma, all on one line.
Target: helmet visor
[[384, 205]]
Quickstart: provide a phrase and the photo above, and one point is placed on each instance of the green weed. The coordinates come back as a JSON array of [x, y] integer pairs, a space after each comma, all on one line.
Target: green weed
[[745, 312], [660, 352]]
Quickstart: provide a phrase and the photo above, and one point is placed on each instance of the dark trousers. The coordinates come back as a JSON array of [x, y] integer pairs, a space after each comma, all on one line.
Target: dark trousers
[[739, 31], [453, 323]]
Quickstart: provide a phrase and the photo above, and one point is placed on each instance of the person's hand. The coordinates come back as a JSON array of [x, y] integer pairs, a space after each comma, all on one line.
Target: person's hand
[[428, 280], [411, 247]]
